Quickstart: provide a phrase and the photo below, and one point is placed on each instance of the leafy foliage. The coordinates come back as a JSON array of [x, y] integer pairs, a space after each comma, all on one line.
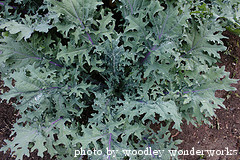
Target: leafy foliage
[[81, 84]]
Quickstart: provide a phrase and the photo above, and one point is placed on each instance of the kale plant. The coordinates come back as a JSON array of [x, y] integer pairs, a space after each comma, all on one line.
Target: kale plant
[[80, 83]]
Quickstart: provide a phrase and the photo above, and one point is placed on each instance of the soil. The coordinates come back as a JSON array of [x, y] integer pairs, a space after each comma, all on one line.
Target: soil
[[225, 129], [8, 116], [224, 132]]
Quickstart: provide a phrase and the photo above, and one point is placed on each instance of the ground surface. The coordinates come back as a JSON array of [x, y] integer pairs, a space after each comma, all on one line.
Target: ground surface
[[224, 132], [225, 129]]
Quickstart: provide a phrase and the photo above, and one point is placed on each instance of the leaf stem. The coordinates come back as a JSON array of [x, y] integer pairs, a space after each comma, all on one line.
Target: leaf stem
[[38, 59], [90, 39], [153, 49], [56, 121], [109, 143], [130, 7], [55, 64], [2, 4], [159, 37], [196, 90]]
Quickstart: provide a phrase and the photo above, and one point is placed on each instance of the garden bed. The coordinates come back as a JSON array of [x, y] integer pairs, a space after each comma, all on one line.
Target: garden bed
[[83, 81], [224, 132]]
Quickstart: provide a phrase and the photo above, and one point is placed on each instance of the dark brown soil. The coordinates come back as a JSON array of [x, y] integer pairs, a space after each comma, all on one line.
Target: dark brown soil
[[225, 129], [224, 132], [8, 116], [7, 119]]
